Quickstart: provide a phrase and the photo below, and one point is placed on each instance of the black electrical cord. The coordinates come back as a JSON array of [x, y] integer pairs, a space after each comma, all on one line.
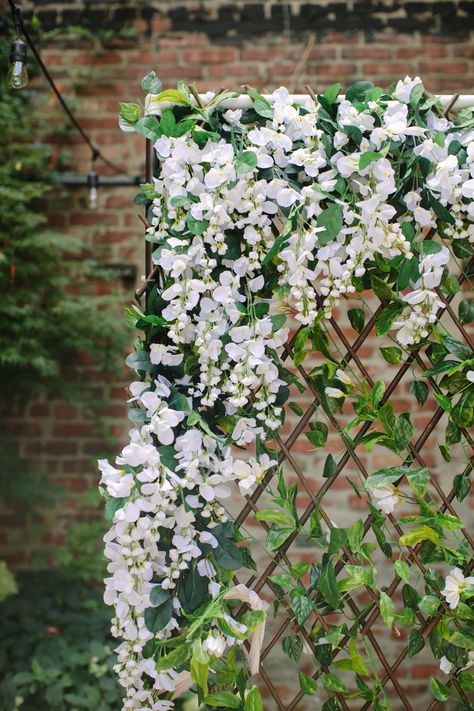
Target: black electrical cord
[[20, 28]]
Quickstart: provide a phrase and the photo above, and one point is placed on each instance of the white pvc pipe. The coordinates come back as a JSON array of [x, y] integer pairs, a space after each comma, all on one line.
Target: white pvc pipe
[[244, 101]]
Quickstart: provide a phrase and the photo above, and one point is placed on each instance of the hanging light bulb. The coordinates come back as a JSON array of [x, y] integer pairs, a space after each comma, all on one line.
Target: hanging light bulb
[[93, 182], [17, 76]]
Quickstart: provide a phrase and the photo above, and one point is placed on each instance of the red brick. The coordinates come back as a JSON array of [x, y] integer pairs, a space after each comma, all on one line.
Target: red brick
[[210, 56]]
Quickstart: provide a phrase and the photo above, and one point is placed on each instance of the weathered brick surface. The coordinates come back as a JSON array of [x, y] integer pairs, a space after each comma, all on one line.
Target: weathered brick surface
[[217, 44]]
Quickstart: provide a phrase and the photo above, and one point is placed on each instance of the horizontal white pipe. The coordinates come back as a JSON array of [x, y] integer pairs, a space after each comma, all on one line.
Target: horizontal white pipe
[[244, 101]]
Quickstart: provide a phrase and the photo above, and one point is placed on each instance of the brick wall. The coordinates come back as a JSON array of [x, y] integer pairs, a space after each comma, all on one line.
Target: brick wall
[[213, 44]]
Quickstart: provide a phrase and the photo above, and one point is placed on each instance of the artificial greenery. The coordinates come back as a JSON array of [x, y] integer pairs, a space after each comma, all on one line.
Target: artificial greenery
[[292, 208]]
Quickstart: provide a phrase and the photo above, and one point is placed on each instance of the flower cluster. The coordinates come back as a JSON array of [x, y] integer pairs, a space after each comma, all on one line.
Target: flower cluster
[[255, 214]]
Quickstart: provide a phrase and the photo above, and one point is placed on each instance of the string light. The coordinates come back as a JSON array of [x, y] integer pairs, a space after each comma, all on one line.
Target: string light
[[19, 50], [17, 76]]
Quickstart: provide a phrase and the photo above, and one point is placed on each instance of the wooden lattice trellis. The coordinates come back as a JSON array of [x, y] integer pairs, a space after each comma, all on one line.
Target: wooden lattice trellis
[[367, 617]]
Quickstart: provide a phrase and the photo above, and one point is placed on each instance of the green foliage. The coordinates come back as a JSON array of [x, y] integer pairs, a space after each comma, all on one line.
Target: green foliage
[[47, 314], [56, 652]]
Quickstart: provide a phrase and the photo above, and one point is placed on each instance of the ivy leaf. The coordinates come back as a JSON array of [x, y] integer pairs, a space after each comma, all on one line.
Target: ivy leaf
[[277, 536], [223, 699], [332, 220], [439, 690], [402, 569], [331, 682], [457, 348], [387, 317], [318, 434], [302, 606], [292, 647], [327, 583], [308, 685], [381, 289], [158, 596], [415, 643], [466, 311], [357, 319], [330, 467], [387, 609], [392, 354], [355, 534], [174, 96], [403, 431], [461, 486], [167, 123], [419, 480], [419, 390], [245, 162], [422, 533], [273, 516], [429, 604], [227, 554]]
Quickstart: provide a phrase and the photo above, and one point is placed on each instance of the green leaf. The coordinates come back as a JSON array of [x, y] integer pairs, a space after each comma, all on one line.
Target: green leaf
[[193, 591], [358, 664], [302, 606], [422, 533], [174, 96], [148, 126], [392, 354], [332, 92], [223, 699], [332, 220], [158, 596], [330, 467], [387, 317], [429, 604], [327, 583], [440, 211], [466, 311], [139, 361], [357, 319], [439, 690], [318, 434], [461, 486], [462, 639], [130, 112], [355, 535], [419, 390], [367, 158], [292, 647], [466, 681], [331, 682], [151, 84], [273, 516], [253, 701], [260, 104], [415, 643], [387, 609], [308, 685], [156, 618], [419, 480], [299, 342], [457, 348], [296, 408], [245, 162], [402, 569], [358, 91], [403, 431], [381, 289], [196, 227], [277, 536]]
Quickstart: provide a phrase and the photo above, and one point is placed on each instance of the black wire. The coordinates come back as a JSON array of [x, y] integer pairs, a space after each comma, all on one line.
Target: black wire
[[20, 28]]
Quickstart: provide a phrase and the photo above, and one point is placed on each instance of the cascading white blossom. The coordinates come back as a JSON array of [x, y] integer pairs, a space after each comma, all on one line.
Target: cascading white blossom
[[218, 208]]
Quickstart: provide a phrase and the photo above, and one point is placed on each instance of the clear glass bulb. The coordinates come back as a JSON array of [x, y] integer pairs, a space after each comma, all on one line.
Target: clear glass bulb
[[17, 76]]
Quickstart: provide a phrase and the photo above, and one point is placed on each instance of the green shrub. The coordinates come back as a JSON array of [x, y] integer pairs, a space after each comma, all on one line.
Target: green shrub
[[56, 653]]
